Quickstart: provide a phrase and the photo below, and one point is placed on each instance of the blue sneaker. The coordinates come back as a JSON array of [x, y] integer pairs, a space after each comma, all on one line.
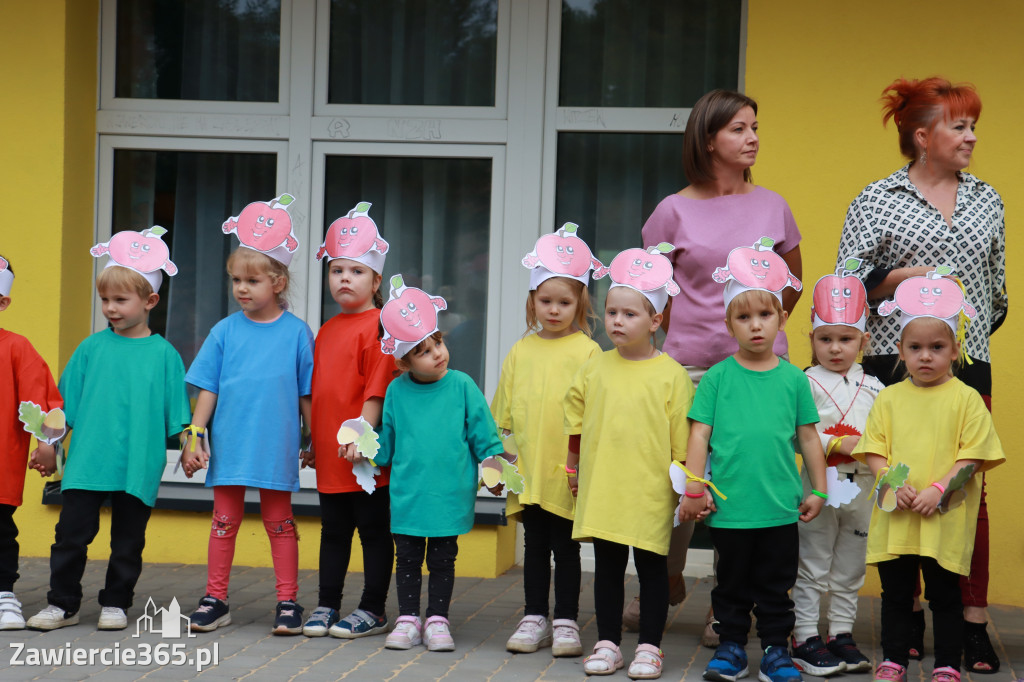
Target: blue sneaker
[[777, 666], [359, 623], [728, 664], [320, 621]]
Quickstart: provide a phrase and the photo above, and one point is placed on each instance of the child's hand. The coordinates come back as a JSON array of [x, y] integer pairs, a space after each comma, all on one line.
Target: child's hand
[[44, 460], [905, 496], [573, 481], [811, 507], [927, 501], [191, 462], [350, 453], [692, 508], [848, 444], [308, 459]]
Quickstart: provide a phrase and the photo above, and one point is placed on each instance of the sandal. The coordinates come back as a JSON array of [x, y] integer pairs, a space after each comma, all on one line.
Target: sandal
[[916, 650], [646, 663], [978, 650], [605, 660]]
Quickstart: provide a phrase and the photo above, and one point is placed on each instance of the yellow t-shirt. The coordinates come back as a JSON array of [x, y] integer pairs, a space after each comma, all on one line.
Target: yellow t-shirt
[[631, 416], [928, 429], [534, 378]]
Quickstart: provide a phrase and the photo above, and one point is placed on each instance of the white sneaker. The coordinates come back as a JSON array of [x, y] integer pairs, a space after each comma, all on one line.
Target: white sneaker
[[10, 612], [406, 634], [437, 635], [532, 633], [566, 638], [112, 618], [51, 618]]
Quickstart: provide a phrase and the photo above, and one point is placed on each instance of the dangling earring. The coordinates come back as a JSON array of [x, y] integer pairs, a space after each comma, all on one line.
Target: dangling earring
[[711, 149], [924, 158]]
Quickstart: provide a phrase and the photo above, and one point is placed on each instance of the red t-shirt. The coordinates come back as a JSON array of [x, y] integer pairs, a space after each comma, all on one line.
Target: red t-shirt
[[23, 376], [348, 369]]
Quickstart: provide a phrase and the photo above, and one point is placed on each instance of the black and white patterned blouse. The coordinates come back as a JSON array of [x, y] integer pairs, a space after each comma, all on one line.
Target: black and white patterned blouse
[[891, 225]]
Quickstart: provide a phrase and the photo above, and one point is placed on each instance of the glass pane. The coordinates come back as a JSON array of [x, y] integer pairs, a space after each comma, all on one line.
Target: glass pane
[[609, 183], [435, 214], [191, 194], [198, 50], [413, 52], [657, 53]]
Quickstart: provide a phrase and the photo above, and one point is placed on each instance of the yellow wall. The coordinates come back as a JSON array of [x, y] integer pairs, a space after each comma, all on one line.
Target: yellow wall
[[817, 70]]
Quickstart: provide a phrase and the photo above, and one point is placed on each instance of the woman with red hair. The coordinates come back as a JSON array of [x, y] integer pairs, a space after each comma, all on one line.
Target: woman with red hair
[[929, 213]]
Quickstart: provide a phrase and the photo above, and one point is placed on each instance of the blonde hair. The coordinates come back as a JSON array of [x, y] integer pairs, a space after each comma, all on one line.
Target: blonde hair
[[117, 278], [750, 298], [250, 261], [583, 318], [403, 364]]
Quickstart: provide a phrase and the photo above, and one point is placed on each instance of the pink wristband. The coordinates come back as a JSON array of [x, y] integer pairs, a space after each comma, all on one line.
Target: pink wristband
[[942, 488], [693, 496]]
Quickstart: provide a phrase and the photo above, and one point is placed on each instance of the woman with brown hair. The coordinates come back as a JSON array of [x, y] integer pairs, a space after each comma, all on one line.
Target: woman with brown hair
[[929, 213]]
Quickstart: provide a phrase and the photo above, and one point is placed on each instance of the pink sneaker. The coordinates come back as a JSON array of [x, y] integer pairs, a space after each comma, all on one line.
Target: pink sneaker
[[406, 634], [945, 674], [437, 635], [888, 671]]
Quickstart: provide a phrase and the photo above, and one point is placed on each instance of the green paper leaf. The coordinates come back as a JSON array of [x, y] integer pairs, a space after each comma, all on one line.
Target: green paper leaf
[[664, 247], [367, 444], [852, 264], [570, 228], [157, 231], [363, 206], [943, 270], [286, 199], [767, 242], [32, 415], [960, 479], [897, 475], [511, 477], [397, 282]]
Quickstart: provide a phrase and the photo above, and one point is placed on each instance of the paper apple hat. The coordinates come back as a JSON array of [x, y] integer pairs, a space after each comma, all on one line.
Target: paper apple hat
[[266, 226], [755, 267], [649, 272], [408, 317], [355, 237], [562, 254], [840, 299], [932, 295], [6, 277], [144, 252]]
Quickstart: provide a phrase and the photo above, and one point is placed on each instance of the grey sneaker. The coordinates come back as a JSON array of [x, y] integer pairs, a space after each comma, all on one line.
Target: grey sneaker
[[112, 618], [320, 621], [52, 618], [359, 623]]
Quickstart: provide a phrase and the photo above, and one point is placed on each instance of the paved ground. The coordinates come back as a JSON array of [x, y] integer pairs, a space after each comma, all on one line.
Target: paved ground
[[484, 613]]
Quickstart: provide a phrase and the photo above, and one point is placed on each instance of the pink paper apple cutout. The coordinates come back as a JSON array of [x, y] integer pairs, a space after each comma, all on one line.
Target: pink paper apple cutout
[[409, 316], [353, 235], [933, 295], [264, 225], [840, 298], [645, 270], [757, 267], [563, 253], [141, 251], [3, 263]]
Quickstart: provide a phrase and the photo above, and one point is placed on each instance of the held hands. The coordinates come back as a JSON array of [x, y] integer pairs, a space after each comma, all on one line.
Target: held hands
[[349, 452], [307, 459], [696, 508], [44, 460], [810, 507], [193, 457]]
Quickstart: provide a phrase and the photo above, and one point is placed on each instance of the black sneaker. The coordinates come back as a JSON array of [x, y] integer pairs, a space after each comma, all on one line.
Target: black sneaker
[[209, 615], [846, 649], [814, 658], [288, 620]]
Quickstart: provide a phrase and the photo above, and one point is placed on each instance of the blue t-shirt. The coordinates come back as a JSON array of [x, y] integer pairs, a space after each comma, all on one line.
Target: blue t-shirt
[[433, 436], [753, 418], [258, 371]]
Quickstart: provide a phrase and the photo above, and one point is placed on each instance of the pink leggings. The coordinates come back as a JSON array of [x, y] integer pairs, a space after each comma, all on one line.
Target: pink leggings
[[228, 510]]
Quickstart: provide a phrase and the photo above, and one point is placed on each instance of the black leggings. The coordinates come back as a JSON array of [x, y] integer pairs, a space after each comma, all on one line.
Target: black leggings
[[547, 533], [341, 515], [610, 559], [441, 553]]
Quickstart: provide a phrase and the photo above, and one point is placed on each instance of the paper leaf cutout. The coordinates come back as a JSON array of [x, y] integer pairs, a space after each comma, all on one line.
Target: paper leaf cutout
[[840, 490], [663, 247], [397, 282], [286, 199], [360, 432], [955, 494], [897, 475], [767, 242], [943, 270], [365, 472], [496, 469], [852, 264], [892, 481], [678, 477], [47, 427], [509, 443], [362, 207]]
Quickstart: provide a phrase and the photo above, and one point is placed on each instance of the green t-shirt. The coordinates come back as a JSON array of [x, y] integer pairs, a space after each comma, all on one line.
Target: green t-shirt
[[753, 418], [123, 398]]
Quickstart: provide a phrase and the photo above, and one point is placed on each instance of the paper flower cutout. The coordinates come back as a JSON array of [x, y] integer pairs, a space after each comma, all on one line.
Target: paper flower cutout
[[353, 236], [644, 270], [409, 316], [264, 225], [143, 252], [563, 253], [888, 484], [955, 494], [757, 267], [496, 469], [932, 295], [840, 490], [47, 427]]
